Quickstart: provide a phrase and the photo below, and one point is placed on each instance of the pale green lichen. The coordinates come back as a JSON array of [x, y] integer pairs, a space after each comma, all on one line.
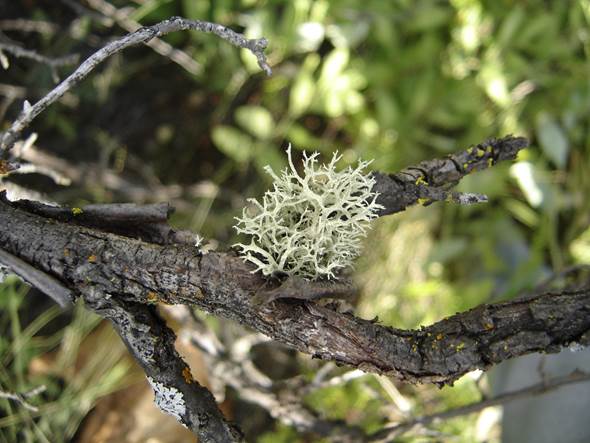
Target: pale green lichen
[[309, 225]]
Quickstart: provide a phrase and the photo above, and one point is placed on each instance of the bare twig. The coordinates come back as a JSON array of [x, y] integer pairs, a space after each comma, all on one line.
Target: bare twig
[[160, 46], [21, 397], [143, 35], [90, 174], [387, 434], [39, 279], [24, 25], [429, 181], [20, 52]]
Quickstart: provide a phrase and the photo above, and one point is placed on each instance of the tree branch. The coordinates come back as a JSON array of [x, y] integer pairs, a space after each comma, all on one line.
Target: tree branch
[[151, 342], [222, 284], [122, 18], [282, 400], [22, 397], [429, 180], [19, 52], [142, 35]]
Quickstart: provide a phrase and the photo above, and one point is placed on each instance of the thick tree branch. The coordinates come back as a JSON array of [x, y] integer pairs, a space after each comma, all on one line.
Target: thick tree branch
[[222, 284], [142, 35]]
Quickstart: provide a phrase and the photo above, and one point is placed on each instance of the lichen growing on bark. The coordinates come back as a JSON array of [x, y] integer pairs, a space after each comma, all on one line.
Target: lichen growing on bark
[[310, 225]]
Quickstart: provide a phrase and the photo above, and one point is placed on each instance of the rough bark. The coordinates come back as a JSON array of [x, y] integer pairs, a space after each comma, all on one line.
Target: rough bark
[[430, 180], [151, 342], [135, 271]]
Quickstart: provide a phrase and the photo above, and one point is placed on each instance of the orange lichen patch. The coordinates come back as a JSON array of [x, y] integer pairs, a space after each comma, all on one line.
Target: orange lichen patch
[[188, 377], [92, 258], [152, 297]]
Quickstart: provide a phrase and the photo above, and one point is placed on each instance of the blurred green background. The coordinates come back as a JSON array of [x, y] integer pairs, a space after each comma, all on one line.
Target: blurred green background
[[395, 81]]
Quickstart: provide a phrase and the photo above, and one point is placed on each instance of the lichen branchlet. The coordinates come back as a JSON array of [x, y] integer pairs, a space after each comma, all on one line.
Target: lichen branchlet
[[309, 225]]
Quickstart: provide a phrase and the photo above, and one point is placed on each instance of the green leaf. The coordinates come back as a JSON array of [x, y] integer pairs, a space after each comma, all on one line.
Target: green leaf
[[580, 248], [270, 155], [302, 94], [334, 64], [309, 36], [233, 143], [552, 139], [256, 120]]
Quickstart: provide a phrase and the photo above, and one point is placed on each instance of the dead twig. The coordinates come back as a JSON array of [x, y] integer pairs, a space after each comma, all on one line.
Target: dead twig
[[20, 52], [22, 397], [24, 25], [142, 35], [160, 46]]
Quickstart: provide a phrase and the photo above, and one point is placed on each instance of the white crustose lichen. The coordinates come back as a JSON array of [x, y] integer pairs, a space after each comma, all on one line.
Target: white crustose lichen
[[168, 399], [309, 225]]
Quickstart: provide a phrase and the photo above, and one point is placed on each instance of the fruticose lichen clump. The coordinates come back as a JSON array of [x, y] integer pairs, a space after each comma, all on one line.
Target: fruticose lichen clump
[[309, 225]]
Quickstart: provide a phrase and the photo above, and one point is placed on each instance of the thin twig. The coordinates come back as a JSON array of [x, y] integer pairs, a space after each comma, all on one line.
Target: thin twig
[[19, 52], [39, 279], [160, 46], [143, 35], [537, 389], [429, 181], [24, 25], [20, 397]]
